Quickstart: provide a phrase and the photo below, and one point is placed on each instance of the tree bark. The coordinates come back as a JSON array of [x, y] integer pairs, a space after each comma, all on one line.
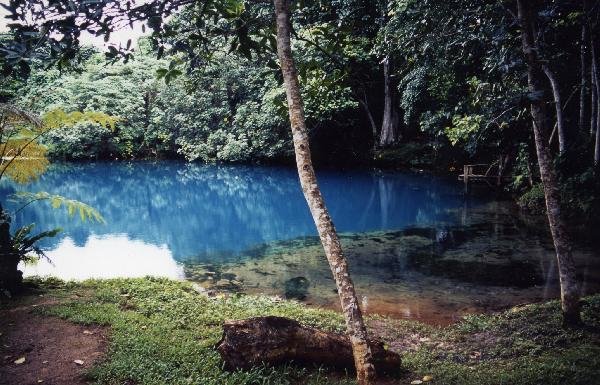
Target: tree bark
[[276, 340], [566, 266], [355, 326], [365, 105], [596, 88], [560, 122], [583, 64], [389, 126], [10, 276], [597, 148], [593, 79]]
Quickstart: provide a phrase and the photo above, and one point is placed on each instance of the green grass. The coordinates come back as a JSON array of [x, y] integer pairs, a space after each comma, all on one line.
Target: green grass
[[163, 332]]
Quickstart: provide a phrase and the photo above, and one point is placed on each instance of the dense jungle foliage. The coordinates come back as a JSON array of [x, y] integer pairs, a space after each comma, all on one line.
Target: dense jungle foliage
[[422, 84]]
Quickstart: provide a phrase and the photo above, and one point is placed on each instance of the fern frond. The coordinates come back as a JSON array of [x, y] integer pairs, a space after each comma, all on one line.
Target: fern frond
[[24, 244], [72, 206], [23, 161]]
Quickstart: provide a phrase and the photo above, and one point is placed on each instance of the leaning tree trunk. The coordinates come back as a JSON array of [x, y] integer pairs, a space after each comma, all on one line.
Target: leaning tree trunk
[[333, 251], [560, 121], [566, 265]]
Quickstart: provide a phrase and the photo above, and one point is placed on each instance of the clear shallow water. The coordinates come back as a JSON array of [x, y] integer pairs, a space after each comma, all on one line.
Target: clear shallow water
[[416, 248]]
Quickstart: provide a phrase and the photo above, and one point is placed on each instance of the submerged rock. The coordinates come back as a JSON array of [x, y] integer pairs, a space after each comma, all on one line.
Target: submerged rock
[[296, 288]]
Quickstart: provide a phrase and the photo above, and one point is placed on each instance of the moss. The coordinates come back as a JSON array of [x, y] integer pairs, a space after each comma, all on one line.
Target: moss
[[163, 331]]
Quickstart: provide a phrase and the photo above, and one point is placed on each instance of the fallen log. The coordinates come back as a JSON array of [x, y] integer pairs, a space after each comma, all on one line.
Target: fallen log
[[277, 340]]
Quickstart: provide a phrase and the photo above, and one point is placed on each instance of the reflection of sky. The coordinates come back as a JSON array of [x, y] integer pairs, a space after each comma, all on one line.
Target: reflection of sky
[[190, 212], [106, 257]]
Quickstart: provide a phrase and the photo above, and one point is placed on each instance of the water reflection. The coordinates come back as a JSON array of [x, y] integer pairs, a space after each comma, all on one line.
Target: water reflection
[[110, 257], [208, 212], [416, 248]]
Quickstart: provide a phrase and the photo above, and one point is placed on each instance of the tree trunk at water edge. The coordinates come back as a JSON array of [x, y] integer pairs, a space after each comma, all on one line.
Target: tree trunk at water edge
[[356, 330], [365, 105], [566, 266], [389, 127]]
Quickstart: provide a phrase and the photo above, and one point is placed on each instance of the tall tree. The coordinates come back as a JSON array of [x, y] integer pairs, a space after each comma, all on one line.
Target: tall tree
[[535, 75], [365, 371], [389, 134], [583, 70]]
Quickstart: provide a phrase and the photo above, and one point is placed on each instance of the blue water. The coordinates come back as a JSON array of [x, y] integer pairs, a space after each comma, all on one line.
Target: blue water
[[199, 211], [248, 227]]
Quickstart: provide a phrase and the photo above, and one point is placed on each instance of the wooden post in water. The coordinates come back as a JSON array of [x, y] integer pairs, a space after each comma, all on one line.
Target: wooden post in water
[[466, 172]]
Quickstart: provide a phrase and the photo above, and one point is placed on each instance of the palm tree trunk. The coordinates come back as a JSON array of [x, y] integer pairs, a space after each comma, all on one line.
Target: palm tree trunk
[[333, 251], [566, 266]]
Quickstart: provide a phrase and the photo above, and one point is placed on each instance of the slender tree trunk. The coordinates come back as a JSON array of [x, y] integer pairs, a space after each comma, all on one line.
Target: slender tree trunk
[[566, 265], [355, 326], [583, 60], [560, 122], [389, 125], [596, 87], [593, 78], [365, 105], [597, 149]]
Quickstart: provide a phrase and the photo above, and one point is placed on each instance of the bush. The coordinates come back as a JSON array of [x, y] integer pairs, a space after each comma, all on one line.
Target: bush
[[533, 200]]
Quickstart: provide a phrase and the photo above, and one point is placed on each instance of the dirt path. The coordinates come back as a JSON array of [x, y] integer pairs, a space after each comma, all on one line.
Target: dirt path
[[50, 346]]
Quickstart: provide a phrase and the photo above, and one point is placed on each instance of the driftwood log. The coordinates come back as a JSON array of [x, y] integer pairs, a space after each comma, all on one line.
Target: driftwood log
[[276, 340]]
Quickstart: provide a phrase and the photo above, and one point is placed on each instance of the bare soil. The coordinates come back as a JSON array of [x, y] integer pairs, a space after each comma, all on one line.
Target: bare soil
[[50, 346]]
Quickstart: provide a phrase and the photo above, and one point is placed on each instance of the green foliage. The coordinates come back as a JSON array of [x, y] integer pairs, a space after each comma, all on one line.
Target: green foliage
[[226, 111], [533, 199], [463, 128], [24, 244]]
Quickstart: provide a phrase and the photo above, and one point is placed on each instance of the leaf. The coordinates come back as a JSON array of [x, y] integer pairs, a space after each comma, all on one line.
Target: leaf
[[20, 361]]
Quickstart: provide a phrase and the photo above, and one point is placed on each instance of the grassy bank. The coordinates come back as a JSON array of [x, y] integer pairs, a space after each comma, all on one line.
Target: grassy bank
[[163, 332]]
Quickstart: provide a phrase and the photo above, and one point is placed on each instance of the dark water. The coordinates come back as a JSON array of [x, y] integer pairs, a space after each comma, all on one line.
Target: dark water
[[417, 249]]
